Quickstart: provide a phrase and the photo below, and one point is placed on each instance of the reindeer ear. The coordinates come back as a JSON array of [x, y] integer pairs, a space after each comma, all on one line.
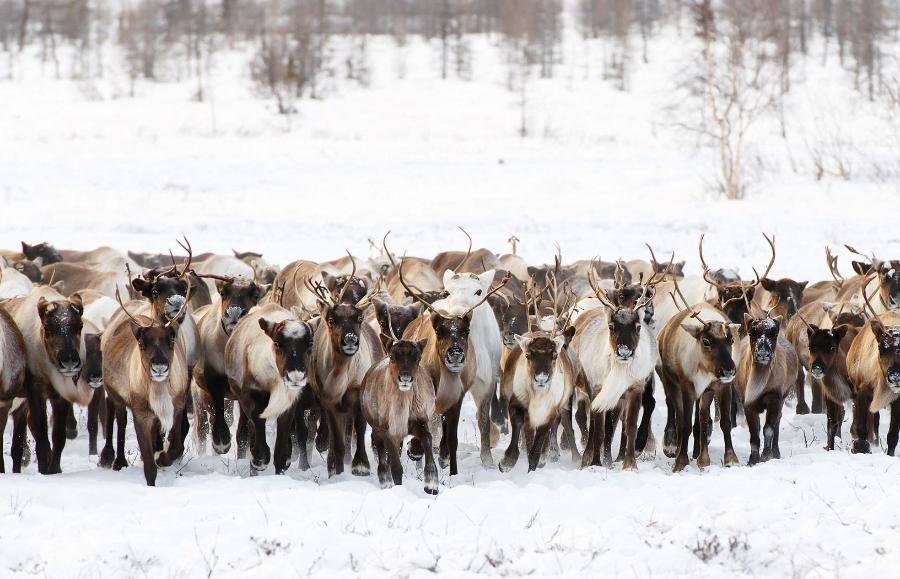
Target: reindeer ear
[[77, 302], [802, 285], [448, 275], [560, 341], [778, 320], [860, 267], [137, 329], [568, 334], [748, 319], [877, 328], [839, 332], [329, 281], [693, 329], [141, 286], [735, 330], [26, 249], [416, 309], [221, 286], [44, 307], [422, 344], [769, 284], [486, 279], [381, 309], [522, 341], [268, 327]]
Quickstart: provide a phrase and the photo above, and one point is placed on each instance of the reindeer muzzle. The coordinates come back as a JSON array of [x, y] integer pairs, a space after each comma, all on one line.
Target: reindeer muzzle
[[95, 381], [541, 380], [455, 359], [295, 379], [405, 382], [231, 317], [727, 376], [349, 344], [624, 353], [159, 372], [174, 305], [817, 370], [70, 366]]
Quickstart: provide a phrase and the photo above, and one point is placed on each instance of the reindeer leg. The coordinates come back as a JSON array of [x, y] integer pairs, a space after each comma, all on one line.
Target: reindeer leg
[[673, 400], [243, 432], [393, 446], [360, 458], [552, 442], [611, 420], [894, 428], [301, 428], [108, 454], [698, 426], [817, 398], [874, 427], [498, 410], [20, 427], [452, 432], [645, 440], [121, 417], [830, 415], [175, 449], [221, 435], [282, 455], [71, 424], [565, 418], [537, 447], [145, 427], [4, 415], [582, 411], [724, 396], [773, 425], [201, 402], [61, 410], [752, 415], [484, 430], [384, 474], [419, 430], [860, 429], [517, 421], [630, 427], [590, 453], [684, 417], [336, 448], [37, 423], [706, 401], [800, 387], [97, 401]]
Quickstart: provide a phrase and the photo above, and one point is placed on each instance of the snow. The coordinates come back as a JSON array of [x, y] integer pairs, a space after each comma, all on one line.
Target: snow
[[82, 164]]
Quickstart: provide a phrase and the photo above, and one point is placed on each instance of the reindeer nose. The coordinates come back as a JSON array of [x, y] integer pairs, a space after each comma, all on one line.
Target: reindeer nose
[[456, 357], [817, 370], [159, 372], [623, 352], [893, 378], [350, 343], [726, 376], [541, 379]]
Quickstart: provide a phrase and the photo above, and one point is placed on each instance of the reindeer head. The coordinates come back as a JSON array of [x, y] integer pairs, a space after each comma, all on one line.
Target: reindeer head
[[351, 288], [717, 353], [43, 250], [541, 350], [343, 314], [452, 333], [292, 343], [61, 332], [889, 276], [393, 319], [405, 357], [824, 346], [238, 295], [31, 269], [157, 346], [166, 292], [734, 296], [93, 361], [763, 334], [465, 289], [786, 296], [512, 317]]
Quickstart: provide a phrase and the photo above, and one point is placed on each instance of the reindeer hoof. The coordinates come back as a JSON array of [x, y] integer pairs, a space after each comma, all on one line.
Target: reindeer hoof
[[507, 464], [629, 465], [680, 465], [360, 470], [119, 464], [754, 459], [71, 432], [107, 456], [802, 408], [487, 461], [703, 461], [222, 448], [259, 464], [861, 447], [766, 456], [670, 450], [162, 459], [731, 458], [26, 456]]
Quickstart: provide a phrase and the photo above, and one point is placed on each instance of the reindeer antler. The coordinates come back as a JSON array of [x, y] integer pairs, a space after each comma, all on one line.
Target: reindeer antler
[[491, 292], [127, 313], [416, 296], [468, 251]]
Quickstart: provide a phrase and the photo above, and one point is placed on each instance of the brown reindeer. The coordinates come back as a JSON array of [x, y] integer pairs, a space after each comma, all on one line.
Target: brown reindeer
[[538, 383], [51, 327], [735, 298], [398, 399], [237, 296], [873, 364], [767, 370], [699, 350], [145, 370], [393, 319], [268, 360], [69, 278], [345, 348]]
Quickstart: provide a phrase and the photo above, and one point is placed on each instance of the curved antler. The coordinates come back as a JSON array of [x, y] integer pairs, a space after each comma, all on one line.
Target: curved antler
[[414, 295], [127, 313], [468, 251]]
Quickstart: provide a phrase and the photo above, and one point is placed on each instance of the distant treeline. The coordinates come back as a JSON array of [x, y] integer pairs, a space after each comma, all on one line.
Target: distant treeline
[[298, 43]]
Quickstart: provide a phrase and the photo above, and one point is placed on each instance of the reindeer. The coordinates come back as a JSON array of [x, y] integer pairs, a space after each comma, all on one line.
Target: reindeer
[[46, 252], [51, 327], [735, 298], [268, 361], [397, 399], [617, 355], [393, 320], [72, 277], [767, 370], [538, 384], [450, 359], [145, 370], [344, 349], [876, 278], [873, 364], [825, 290], [699, 350], [13, 282], [13, 357], [237, 296]]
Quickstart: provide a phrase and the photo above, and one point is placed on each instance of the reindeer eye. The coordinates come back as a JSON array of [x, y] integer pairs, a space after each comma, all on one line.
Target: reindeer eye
[[706, 343], [612, 326], [359, 319], [330, 321], [478, 293]]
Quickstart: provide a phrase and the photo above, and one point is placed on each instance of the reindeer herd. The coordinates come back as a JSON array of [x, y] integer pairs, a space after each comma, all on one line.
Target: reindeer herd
[[390, 346]]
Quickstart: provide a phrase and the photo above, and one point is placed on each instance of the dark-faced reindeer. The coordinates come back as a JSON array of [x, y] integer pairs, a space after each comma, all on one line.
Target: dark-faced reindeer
[[398, 399], [735, 298], [699, 350], [451, 360], [268, 360], [617, 354], [873, 364], [51, 327], [393, 319], [12, 385], [237, 296], [537, 384], [145, 370], [766, 373], [344, 349]]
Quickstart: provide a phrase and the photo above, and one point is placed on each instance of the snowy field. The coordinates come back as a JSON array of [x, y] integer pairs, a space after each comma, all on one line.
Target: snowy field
[[82, 164]]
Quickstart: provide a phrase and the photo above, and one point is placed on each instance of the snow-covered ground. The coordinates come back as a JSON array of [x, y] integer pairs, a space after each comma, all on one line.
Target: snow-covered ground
[[82, 164]]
